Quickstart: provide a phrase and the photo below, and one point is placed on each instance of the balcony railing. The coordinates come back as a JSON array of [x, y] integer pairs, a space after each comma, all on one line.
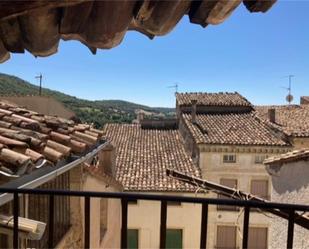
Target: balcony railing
[[290, 209]]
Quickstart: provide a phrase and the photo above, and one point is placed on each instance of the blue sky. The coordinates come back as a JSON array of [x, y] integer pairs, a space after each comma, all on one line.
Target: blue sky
[[248, 53]]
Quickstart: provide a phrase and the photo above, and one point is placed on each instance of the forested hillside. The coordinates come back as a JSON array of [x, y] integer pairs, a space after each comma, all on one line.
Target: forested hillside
[[98, 112]]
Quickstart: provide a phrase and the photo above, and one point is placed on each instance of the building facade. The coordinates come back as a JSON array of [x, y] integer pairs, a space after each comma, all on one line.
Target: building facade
[[143, 155], [290, 184], [47, 152], [229, 143]]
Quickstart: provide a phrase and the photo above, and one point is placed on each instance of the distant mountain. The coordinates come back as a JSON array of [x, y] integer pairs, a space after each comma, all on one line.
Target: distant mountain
[[98, 112]]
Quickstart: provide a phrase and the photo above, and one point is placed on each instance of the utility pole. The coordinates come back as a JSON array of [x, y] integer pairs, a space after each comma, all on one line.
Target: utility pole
[[40, 78]]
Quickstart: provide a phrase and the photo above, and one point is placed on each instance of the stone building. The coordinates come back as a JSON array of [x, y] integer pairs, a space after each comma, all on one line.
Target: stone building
[[143, 155], [292, 121], [217, 137], [41, 151], [290, 184], [229, 143]]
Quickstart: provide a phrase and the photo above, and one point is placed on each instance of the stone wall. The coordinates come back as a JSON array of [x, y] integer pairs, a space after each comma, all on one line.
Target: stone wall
[[290, 185]]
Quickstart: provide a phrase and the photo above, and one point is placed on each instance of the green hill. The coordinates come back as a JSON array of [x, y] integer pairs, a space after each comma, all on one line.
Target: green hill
[[98, 112]]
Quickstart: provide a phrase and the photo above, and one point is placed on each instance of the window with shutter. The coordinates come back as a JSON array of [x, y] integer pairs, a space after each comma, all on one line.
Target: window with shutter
[[173, 239], [260, 188], [132, 239], [231, 183], [257, 238], [226, 237]]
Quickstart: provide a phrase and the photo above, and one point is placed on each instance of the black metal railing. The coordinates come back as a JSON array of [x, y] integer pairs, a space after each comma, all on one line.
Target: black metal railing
[[290, 209]]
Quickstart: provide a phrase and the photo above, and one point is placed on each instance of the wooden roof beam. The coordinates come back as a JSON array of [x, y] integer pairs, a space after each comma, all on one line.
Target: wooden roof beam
[[259, 5]]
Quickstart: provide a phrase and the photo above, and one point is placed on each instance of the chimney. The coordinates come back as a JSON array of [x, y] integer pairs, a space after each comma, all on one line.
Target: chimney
[[140, 117], [107, 159], [304, 100], [272, 115], [193, 111]]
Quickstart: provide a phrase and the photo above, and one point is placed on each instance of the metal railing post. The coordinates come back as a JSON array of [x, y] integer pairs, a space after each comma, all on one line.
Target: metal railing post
[[51, 222], [204, 220], [246, 228], [163, 224], [291, 229], [124, 223], [15, 219], [87, 222]]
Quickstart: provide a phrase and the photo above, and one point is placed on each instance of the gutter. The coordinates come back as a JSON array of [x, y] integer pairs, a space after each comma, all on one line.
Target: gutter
[[45, 174]]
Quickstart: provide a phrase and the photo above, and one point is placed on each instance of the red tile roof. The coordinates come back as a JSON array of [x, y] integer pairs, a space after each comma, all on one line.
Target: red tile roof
[[143, 155], [292, 156], [293, 120], [231, 128], [212, 99], [27, 139]]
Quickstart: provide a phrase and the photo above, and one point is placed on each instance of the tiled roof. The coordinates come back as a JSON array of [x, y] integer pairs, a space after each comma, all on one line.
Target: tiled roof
[[293, 120], [231, 128], [143, 155], [213, 99], [28, 140], [292, 156]]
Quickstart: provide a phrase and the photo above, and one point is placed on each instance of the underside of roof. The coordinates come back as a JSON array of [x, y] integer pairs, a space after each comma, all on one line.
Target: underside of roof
[[38, 25]]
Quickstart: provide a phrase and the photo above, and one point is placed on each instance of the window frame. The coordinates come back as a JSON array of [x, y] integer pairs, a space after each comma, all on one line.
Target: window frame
[[228, 157]]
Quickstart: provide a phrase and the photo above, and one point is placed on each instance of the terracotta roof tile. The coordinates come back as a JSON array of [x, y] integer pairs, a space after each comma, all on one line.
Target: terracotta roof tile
[[293, 120], [292, 156], [143, 155], [231, 128], [27, 138], [212, 99]]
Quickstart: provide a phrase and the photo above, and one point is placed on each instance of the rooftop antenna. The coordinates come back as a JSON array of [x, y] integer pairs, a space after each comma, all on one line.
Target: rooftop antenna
[[289, 98], [40, 78], [175, 86]]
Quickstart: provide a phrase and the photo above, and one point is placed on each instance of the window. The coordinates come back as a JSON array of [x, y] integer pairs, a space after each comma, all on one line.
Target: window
[[259, 159], [229, 158], [231, 183], [257, 238], [260, 188], [103, 216], [173, 239], [132, 239], [226, 237]]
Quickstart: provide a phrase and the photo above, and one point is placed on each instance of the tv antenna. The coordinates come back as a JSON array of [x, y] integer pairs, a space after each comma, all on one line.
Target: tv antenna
[[40, 77], [175, 86], [289, 98]]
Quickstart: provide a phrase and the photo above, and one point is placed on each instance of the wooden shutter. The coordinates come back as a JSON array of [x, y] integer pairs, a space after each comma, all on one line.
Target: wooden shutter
[[226, 237], [260, 188], [132, 239], [231, 183], [173, 239], [257, 238]]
